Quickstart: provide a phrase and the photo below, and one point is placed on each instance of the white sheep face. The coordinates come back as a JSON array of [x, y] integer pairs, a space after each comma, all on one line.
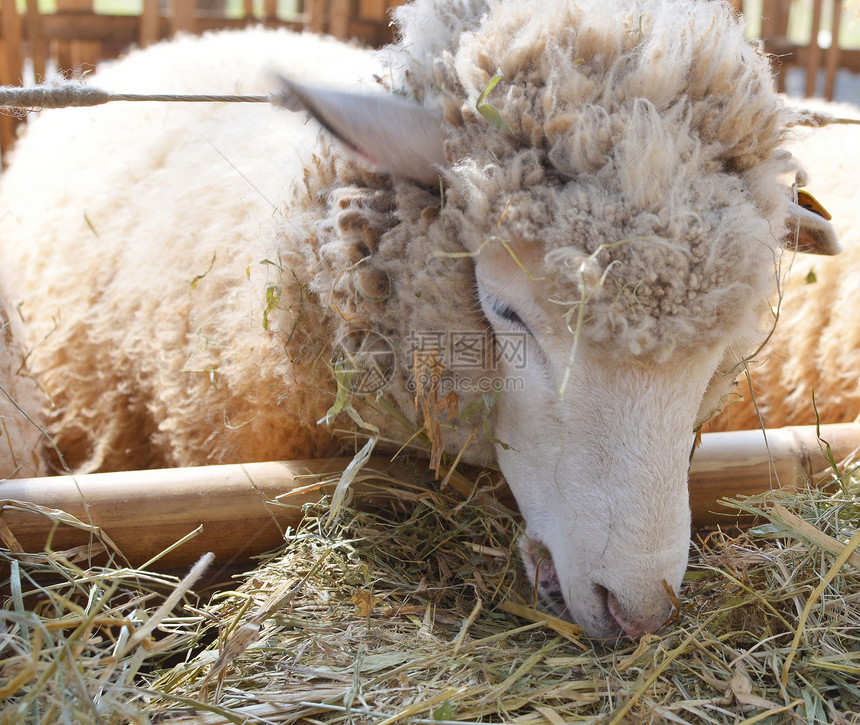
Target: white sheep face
[[600, 470]]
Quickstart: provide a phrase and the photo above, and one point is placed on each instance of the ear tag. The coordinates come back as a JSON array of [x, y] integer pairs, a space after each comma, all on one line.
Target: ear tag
[[810, 203]]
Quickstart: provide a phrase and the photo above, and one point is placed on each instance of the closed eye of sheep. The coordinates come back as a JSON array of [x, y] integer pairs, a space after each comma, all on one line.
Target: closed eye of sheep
[[582, 255]]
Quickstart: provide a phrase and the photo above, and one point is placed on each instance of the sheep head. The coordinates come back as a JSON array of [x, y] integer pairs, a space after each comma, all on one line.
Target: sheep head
[[622, 195]]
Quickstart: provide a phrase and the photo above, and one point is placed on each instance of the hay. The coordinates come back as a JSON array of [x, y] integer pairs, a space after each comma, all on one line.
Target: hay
[[416, 612]]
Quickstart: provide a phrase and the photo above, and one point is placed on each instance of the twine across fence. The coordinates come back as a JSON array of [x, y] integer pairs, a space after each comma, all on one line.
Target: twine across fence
[[76, 95]]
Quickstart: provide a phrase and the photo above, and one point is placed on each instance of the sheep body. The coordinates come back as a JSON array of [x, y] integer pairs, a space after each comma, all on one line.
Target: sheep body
[[615, 209], [815, 346], [169, 385]]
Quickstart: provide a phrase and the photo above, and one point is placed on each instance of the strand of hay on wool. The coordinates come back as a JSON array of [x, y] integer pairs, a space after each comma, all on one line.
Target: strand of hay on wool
[[401, 612]]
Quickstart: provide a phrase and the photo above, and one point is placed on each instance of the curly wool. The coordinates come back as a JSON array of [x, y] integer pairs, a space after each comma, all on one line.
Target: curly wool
[[641, 158]]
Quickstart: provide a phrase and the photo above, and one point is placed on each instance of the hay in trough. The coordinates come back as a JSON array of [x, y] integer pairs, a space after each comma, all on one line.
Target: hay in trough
[[414, 611]]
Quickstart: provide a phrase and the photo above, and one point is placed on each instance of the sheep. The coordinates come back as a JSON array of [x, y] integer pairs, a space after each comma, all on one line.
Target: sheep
[[550, 230], [810, 367]]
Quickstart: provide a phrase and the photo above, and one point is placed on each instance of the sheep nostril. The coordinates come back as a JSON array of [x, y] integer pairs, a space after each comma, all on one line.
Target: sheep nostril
[[614, 609], [604, 594], [633, 626]]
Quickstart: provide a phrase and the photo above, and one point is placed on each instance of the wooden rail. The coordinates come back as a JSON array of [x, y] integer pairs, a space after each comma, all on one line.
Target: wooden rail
[[244, 509]]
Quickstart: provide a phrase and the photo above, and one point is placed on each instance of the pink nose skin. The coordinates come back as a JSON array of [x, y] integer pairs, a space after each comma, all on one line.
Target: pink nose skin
[[635, 627]]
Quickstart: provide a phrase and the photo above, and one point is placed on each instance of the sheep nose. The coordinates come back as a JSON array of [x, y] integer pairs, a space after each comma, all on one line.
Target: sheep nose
[[635, 624]]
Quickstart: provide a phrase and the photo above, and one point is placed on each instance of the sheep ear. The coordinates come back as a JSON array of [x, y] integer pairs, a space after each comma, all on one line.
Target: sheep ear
[[809, 229], [393, 133]]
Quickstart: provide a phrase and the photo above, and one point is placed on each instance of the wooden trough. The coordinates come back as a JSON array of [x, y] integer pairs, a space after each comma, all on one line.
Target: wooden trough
[[237, 511]]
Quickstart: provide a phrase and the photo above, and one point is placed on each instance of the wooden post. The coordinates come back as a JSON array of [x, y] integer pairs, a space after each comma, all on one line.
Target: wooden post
[[10, 66], [318, 15], [74, 55], [183, 16], [813, 60], [12, 40], [340, 12], [373, 9], [774, 31], [36, 40], [149, 31], [244, 509], [831, 62]]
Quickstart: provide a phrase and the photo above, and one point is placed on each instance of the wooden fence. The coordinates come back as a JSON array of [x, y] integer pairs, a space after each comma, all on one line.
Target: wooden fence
[[811, 57]]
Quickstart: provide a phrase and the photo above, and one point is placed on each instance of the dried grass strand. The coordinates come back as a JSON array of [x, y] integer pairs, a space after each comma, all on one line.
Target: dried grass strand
[[813, 598]]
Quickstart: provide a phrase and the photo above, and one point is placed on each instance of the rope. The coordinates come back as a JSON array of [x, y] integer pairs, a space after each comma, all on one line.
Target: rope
[[824, 119], [74, 95]]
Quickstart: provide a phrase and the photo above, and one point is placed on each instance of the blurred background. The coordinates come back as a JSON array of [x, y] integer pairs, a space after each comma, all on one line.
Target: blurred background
[[814, 44]]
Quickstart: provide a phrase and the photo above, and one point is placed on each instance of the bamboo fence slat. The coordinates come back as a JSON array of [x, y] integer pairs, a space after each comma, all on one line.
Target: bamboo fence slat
[[183, 16], [150, 20], [244, 509], [11, 60]]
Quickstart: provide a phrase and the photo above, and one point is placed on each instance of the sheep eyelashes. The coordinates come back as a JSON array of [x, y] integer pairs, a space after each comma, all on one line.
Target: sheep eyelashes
[[496, 308]]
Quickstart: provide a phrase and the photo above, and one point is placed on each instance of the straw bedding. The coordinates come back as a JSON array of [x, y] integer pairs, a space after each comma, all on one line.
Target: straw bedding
[[417, 612]]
